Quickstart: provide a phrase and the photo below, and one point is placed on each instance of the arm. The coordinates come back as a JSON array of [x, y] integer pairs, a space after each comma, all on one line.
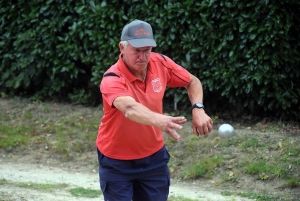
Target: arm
[[141, 114], [201, 123]]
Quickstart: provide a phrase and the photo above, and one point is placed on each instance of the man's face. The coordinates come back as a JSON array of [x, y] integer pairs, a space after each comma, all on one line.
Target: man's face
[[136, 59]]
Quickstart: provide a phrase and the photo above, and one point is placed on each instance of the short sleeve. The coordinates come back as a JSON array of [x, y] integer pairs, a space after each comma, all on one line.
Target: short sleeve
[[180, 77], [112, 87]]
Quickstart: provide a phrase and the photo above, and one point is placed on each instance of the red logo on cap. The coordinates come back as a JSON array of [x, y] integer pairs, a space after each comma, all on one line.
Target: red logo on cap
[[141, 32]]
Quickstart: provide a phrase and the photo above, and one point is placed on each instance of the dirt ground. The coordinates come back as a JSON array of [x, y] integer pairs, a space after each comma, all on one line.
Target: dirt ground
[[36, 168], [37, 164]]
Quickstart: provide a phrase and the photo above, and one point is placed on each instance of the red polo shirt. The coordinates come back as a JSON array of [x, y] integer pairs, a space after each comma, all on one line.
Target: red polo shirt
[[121, 138]]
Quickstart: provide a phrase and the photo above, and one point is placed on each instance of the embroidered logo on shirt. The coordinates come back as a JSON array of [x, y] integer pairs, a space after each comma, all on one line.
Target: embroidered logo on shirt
[[156, 85]]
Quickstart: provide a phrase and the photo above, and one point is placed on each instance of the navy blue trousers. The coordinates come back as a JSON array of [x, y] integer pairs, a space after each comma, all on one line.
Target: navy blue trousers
[[146, 179]]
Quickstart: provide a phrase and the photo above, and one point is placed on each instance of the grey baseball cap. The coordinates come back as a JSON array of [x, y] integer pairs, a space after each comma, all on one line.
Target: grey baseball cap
[[138, 33]]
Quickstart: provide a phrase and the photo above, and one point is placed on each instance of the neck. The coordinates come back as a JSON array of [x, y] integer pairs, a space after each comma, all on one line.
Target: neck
[[145, 75]]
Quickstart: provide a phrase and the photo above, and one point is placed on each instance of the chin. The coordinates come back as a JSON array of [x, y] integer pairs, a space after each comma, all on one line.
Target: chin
[[142, 65]]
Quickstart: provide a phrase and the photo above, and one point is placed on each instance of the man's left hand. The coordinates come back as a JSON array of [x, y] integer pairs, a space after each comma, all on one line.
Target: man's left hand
[[201, 123]]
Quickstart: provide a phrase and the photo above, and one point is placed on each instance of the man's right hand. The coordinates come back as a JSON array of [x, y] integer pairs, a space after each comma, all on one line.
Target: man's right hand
[[170, 124]]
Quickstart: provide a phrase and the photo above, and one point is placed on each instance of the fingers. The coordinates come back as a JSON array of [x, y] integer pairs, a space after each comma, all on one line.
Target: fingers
[[173, 125], [204, 129], [173, 134], [176, 123], [179, 120]]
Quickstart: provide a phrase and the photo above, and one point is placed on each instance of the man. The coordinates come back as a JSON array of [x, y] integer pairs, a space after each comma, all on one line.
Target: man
[[133, 161]]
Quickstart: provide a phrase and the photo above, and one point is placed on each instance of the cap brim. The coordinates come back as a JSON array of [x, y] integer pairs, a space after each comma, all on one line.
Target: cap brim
[[143, 42]]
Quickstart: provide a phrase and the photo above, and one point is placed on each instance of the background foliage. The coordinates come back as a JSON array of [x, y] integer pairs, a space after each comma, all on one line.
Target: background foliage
[[245, 53]]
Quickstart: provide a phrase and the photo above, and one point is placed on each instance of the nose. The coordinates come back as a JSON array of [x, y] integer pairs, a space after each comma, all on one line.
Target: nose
[[142, 55]]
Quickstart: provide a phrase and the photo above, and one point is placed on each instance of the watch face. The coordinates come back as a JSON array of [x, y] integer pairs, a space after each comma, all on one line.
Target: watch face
[[199, 105]]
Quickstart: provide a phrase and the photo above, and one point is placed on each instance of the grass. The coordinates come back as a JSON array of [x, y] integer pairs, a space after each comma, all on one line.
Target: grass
[[34, 186], [293, 183], [41, 187], [76, 192], [13, 136], [82, 192], [202, 168], [3, 182], [263, 152], [252, 143], [253, 196], [48, 124], [180, 198]]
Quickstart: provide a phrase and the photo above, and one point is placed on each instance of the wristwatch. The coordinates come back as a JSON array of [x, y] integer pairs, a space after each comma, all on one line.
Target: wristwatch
[[198, 105]]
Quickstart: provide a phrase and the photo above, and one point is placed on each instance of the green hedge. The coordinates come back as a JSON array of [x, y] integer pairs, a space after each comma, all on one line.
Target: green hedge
[[245, 53], [51, 48]]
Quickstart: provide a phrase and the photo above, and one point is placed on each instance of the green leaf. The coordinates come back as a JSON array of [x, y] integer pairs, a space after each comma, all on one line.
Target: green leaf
[[252, 28], [253, 36], [230, 37], [92, 4], [188, 57], [172, 36]]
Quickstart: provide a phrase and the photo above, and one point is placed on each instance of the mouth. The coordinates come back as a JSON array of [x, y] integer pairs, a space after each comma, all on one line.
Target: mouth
[[141, 63]]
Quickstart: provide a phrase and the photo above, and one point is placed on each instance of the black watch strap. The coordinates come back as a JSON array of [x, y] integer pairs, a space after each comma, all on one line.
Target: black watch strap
[[198, 105]]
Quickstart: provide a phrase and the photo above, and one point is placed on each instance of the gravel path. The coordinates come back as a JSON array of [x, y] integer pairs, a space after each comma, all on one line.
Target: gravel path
[[18, 172]]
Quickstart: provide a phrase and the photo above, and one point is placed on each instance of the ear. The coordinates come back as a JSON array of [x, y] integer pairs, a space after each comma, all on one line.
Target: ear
[[121, 47]]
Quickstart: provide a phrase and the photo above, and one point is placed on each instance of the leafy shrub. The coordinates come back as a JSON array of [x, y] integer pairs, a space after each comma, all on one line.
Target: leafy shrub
[[245, 53], [52, 47]]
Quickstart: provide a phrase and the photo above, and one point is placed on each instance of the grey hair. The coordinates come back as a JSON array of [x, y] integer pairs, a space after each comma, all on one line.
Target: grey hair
[[124, 43]]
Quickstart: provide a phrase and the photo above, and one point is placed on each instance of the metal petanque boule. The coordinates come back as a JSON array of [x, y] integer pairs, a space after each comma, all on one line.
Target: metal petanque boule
[[225, 131]]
